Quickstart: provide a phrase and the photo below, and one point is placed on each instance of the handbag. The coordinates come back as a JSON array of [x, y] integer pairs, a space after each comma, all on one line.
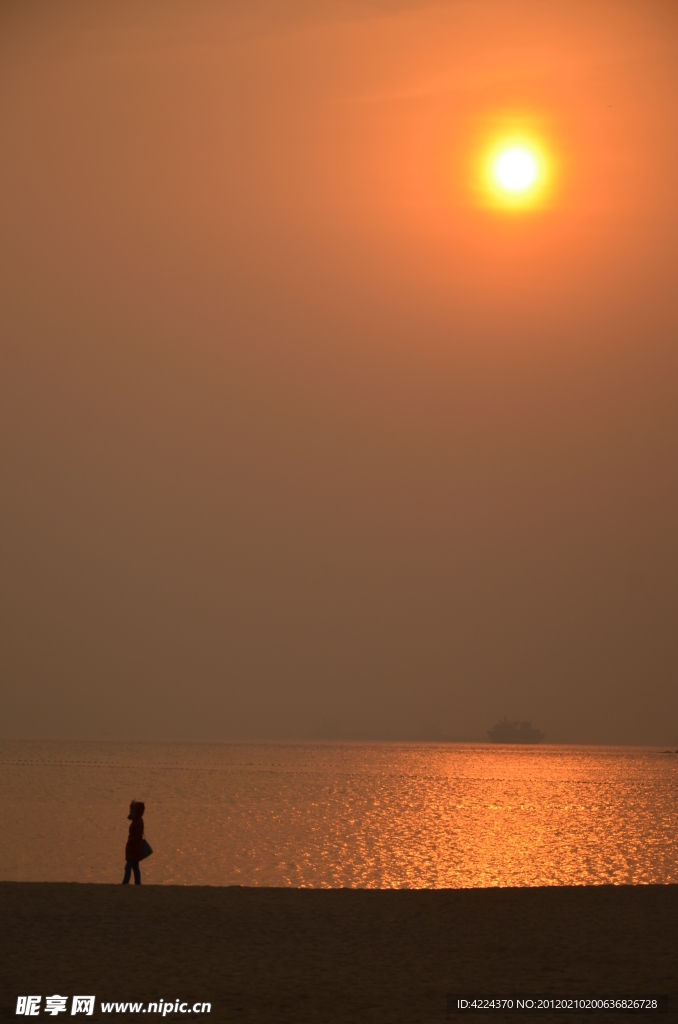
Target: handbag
[[148, 850]]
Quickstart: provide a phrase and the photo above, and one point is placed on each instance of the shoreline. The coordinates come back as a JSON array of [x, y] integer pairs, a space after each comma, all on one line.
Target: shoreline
[[335, 955]]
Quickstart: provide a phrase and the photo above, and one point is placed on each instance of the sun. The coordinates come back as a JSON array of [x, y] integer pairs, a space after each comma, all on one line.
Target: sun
[[515, 173], [515, 170]]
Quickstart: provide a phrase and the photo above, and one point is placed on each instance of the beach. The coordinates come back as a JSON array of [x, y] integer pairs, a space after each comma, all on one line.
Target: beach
[[258, 954]]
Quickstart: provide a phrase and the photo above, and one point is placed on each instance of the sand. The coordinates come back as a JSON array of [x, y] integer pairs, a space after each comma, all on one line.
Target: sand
[[335, 955]]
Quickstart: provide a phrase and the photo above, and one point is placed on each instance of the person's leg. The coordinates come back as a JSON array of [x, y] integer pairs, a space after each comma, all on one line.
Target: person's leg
[[128, 872], [137, 873]]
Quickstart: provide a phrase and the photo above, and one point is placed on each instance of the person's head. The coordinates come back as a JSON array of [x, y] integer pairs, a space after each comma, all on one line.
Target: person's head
[[136, 809]]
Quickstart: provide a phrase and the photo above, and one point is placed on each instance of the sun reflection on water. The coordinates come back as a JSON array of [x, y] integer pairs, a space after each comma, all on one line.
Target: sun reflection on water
[[374, 815]]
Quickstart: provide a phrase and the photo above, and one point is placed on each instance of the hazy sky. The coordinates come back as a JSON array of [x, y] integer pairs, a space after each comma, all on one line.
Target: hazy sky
[[298, 436]]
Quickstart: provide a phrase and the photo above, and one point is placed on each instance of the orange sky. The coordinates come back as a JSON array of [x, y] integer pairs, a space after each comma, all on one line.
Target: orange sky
[[296, 429]]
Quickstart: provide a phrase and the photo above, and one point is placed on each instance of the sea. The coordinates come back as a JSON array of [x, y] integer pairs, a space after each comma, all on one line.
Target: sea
[[374, 815]]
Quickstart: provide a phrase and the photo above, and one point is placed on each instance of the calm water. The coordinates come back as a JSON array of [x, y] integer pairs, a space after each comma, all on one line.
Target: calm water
[[341, 814]]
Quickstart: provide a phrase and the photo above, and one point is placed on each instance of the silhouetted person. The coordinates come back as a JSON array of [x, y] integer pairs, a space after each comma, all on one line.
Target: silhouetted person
[[134, 851]]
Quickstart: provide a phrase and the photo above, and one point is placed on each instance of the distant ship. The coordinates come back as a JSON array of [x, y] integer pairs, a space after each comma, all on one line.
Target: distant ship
[[515, 732]]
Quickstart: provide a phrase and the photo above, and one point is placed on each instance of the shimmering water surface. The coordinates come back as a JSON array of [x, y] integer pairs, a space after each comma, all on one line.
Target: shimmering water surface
[[373, 815]]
